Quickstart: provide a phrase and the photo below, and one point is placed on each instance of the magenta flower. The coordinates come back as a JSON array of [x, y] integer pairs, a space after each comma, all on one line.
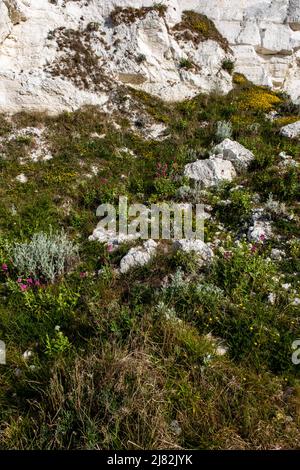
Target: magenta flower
[[19, 280], [253, 249], [262, 237], [4, 267], [23, 287], [29, 281]]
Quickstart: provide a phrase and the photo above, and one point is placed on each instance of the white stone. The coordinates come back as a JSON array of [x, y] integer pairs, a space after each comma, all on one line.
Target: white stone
[[138, 256], [221, 350], [27, 354], [291, 130], [22, 178], [277, 254], [230, 150], [196, 246], [111, 238], [260, 231], [211, 171]]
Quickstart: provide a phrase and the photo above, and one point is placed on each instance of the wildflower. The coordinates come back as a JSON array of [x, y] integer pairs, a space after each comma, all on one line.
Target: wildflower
[[29, 281], [262, 237], [23, 287], [4, 267], [83, 275], [110, 248], [253, 249], [161, 170], [37, 283]]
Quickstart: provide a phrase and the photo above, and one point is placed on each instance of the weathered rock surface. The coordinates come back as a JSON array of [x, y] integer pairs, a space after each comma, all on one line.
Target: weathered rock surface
[[197, 246], [211, 171], [291, 130], [40, 40], [138, 256], [239, 156], [260, 229]]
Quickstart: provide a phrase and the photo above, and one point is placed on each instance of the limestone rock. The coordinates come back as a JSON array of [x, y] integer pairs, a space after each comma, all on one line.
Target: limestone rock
[[197, 246], [110, 238], [291, 130], [138, 256], [21, 178], [37, 71], [239, 156], [211, 171], [260, 231]]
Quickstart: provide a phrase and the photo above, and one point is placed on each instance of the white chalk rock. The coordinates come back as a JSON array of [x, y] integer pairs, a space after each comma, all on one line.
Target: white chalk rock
[[211, 171], [260, 231], [138, 256], [264, 37], [239, 156], [197, 246], [291, 130]]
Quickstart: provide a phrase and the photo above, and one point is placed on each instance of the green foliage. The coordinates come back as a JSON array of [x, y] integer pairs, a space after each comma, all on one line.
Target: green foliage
[[57, 345], [186, 63], [46, 256], [228, 65], [223, 131], [120, 359]]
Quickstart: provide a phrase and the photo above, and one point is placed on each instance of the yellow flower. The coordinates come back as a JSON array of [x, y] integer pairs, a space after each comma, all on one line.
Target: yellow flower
[[258, 99]]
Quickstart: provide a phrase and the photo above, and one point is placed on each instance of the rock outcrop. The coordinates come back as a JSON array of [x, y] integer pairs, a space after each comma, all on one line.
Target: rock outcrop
[[211, 171], [230, 150], [291, 130], [138, 256], [197, 246], [61, 54]]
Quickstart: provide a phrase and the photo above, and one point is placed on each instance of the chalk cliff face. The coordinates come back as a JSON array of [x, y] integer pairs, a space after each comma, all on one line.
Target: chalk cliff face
[[61, 54]]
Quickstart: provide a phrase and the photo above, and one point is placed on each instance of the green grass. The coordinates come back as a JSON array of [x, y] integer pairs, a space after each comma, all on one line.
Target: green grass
[[133, 355]]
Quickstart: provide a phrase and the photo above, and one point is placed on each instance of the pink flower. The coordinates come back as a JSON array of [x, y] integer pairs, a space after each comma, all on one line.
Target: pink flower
[[82, 275], [19, 280], [110, 248], [253, 249], [262, 237], [23, 287], [4, 267], [37, 283], [29, 281]]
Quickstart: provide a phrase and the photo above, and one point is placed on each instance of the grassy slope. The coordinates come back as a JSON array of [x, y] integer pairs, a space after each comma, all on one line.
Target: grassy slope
[[127, 371]]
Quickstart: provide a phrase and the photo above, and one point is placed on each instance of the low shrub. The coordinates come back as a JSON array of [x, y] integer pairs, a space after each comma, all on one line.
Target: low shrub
[[46, 256]]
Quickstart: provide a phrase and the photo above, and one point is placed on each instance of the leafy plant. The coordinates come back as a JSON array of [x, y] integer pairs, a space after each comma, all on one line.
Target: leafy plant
[[46, 256]]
